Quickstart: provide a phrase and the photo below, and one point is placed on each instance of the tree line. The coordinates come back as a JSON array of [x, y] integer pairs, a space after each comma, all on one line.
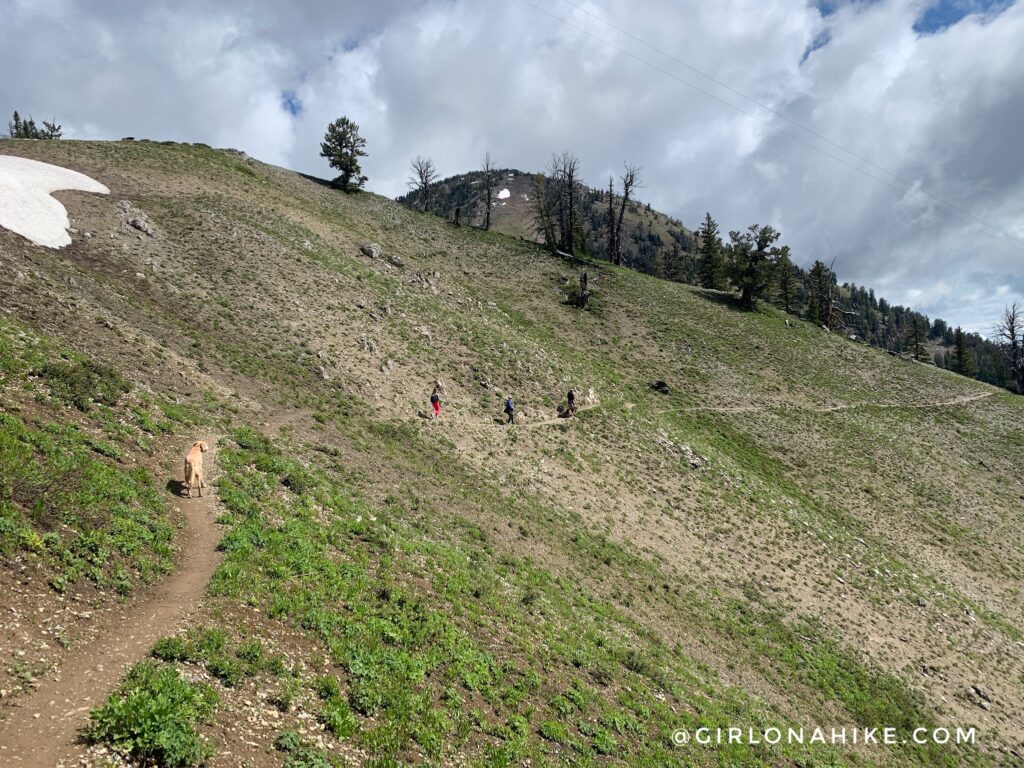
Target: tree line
[[26, 128], [576, 220]]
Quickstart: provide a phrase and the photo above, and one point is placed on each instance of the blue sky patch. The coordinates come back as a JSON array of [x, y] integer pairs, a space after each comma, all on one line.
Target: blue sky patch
[[945, 13], [290, 103], [820, 41]]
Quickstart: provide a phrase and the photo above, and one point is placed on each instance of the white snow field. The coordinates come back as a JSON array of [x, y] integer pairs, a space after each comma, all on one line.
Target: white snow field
[[504, 194], [26, 205]]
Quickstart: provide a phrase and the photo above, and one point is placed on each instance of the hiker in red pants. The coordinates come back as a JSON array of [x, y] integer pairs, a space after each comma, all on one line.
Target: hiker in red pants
[[435, 400]]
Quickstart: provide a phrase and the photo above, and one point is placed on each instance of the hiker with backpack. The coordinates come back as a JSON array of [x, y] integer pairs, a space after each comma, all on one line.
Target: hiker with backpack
[[571, 400], [510, 409], [435, 399]]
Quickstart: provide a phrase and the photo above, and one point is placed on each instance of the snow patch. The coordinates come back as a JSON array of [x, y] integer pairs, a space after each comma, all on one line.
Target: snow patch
[[26, 205], [504, 194]]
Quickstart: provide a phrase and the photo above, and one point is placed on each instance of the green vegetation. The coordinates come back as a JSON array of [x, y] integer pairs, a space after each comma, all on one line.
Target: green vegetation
[[83, 382], [153, 716], [62, 500]]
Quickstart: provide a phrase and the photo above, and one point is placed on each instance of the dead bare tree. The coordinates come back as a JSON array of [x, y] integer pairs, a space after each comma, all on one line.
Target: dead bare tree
[[564, 173], [488, 169], [630, 180], [1010, 333], [611, 218], [824, 299], [422, 177]]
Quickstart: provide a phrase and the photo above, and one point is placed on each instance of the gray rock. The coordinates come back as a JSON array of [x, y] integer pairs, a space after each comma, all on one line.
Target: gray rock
[[691, 458], [367, 344], [372, 250], [139, 223]]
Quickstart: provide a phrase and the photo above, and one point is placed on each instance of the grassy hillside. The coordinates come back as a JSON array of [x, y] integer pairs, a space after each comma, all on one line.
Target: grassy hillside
[[400, 590]]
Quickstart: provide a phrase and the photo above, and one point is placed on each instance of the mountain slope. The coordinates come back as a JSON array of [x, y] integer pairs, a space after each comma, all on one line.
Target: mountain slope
[[558, 591], [651, 239]]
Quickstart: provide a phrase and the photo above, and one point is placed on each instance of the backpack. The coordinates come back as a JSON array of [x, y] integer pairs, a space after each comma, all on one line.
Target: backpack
[[508, 406], [434, 398]]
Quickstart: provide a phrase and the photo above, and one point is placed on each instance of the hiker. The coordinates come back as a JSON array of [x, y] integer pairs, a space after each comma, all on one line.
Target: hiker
[[510, 409], [435, 399], [571, 399], [584, 296]]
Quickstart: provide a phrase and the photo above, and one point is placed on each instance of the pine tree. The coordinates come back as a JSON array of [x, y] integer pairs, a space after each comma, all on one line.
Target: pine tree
[[343, 146], [51, 130], [543, 214], [963, 359], [817, 301], [917, 338], [710, 254], [752, 253], [25, 128], [786, 284]]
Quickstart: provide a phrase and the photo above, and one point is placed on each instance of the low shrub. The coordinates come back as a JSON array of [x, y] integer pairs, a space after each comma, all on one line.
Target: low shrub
[[153, 716]]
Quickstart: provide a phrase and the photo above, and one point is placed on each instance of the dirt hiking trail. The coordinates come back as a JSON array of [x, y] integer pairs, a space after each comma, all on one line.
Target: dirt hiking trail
[[826, 408], [42, 729]]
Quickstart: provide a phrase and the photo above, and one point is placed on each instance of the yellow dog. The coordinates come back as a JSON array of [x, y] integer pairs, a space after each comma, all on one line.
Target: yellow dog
[[194, 467]]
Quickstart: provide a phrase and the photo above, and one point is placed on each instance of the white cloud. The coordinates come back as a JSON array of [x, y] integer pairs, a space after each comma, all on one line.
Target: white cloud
[[451, 79]]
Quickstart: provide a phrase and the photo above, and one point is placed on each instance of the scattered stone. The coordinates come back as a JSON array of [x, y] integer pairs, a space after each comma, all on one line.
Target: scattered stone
[[395, 261], [133, 218], [661, 386], [367, 344], [981, 694], [372, 250], [695, 461]]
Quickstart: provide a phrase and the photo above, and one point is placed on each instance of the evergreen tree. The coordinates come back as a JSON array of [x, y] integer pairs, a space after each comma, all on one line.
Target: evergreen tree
[[963, 359], [752, 253], [917, 338], [543, 213], [710, 254], [26, 128], [675, 268], [819, 290], [786, 284], [343, 146]]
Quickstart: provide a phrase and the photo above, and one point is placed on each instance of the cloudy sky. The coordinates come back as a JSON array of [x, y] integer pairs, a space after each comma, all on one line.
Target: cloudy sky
[[883, 134]]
